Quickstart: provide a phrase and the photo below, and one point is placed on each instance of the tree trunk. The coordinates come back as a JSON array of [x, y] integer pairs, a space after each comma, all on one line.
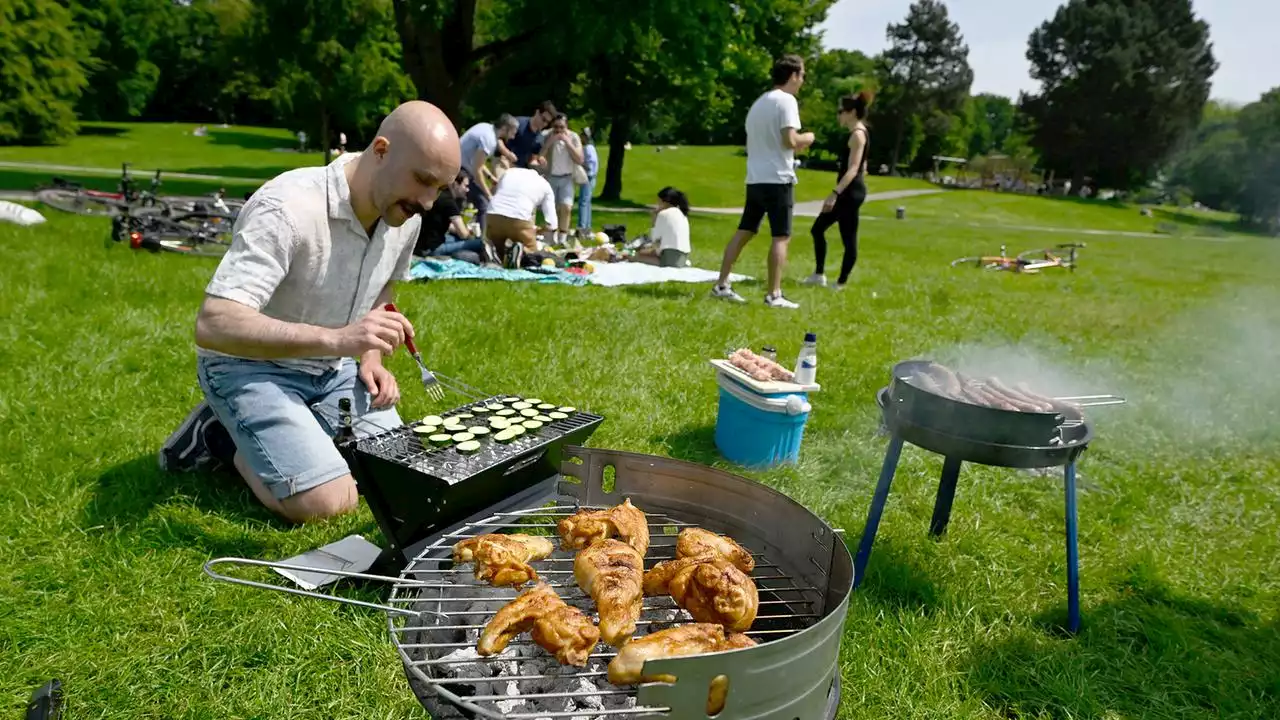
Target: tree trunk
[[619, 135], [439, 55], [1077, 179], [897, 146], [324, 132]]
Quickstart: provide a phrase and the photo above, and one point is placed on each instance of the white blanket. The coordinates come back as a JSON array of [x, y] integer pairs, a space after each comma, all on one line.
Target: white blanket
[[633, 273]]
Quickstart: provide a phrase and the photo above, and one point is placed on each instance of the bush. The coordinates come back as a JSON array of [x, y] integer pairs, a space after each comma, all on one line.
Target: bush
[[42, 77]]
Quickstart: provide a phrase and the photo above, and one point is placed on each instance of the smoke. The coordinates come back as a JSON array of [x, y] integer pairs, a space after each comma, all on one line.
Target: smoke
[[1208, 378]]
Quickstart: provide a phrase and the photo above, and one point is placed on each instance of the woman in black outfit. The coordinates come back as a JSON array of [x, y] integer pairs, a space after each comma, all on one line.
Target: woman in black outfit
[[842, 206]]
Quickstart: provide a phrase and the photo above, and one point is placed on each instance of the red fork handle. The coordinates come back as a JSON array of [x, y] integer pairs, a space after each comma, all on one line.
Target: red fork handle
[[408, 341]]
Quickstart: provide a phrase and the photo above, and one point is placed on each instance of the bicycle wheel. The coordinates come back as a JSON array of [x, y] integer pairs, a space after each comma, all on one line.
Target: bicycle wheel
[[79, 203], [170, 235], [974, 261]]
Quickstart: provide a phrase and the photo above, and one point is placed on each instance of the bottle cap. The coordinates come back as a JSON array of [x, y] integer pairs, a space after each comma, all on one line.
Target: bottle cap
[[769, 348], [811, 337]]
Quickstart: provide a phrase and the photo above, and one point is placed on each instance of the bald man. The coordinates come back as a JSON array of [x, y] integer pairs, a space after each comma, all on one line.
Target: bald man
[[296, 301]]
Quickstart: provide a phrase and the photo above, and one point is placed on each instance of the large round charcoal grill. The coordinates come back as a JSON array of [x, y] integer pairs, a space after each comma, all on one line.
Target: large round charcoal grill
[[803, 571], [965, 432]]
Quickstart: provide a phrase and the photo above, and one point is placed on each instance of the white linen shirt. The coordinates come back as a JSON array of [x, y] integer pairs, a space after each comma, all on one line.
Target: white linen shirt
[[520, 193], [299, 254]]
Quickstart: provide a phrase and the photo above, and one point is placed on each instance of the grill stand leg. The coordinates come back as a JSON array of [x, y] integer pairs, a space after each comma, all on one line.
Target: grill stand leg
[[877, 508], [1073, 553], [946, 495]]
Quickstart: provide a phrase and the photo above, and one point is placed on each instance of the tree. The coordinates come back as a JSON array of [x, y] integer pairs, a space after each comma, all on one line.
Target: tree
[[993, 122], [831, 76], [1259, 125], [448, 45], [118, 35], [42, 77], [334, 60], [926, 71], [1122, 82]]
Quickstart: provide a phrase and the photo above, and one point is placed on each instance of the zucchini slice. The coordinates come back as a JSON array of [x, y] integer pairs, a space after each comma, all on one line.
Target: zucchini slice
[[545, 406], [557, 415], [480, 409], [426, 429], [529, 412], [495, 407], [531, 424], [463, 416], [534, 401], [468, 447], [509, 434], [433, 420], [478, 430], [506, 412], [462, 437], [440, 439], [567, 409], [522, 405], [498, 423], [542, 419]]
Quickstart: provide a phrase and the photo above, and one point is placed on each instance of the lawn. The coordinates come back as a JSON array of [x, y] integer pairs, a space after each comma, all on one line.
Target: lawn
[[711, 176], [100, 566]]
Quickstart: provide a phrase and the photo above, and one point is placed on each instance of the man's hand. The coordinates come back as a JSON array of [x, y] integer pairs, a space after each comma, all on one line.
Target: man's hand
[[804, 140], [380, 330], [379, 380]]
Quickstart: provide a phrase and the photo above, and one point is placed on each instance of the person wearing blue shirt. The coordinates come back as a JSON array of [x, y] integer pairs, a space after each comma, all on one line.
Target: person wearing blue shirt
[[527, 141], [478, 144], [590, 163]]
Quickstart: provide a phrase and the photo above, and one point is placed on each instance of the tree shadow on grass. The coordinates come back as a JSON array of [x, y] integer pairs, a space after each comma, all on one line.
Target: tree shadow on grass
[[250, 141], [102, 130], [1150, 653]]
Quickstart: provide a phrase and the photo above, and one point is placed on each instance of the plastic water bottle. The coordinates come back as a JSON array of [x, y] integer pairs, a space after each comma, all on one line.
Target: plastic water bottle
[[807, 363]]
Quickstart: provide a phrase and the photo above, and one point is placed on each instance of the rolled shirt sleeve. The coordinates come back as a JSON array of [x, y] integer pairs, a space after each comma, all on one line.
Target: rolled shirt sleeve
[[258, 259]]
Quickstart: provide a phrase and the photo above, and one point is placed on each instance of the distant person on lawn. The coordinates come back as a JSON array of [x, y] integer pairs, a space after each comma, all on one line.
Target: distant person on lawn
[[527, 142], [591, 163], [513, 230], [669, 238], [315, 254], [479, 143], [845, 201], [443, 232], [773, 137], [562, 151]]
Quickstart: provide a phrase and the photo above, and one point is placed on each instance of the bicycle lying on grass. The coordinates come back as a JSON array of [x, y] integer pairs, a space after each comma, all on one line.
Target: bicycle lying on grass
[[196, 233], [74, 198], [1028, 262]]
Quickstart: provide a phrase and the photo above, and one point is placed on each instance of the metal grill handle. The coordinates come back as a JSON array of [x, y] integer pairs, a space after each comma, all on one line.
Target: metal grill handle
[[208, 568]]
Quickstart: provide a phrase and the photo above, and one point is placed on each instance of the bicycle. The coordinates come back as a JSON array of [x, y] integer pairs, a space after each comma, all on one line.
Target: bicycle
[[1023, 262], [74, 198], [196, 233]]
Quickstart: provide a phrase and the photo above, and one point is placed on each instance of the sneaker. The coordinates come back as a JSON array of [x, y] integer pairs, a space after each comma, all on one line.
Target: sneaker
[[491, 255], [726, 292], [515, 256], [816, 279], [838, 287], [778, 301], [186, 449]]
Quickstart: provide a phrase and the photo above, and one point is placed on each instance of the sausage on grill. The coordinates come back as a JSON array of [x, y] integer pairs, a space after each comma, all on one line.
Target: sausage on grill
[[1022, 400]]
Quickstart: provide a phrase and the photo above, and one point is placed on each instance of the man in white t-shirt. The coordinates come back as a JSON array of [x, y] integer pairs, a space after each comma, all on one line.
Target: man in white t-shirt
[[773, 137], [520, 194], [478, 144]]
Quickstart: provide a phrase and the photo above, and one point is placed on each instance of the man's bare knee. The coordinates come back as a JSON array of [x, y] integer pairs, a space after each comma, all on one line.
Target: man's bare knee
[[336, 497]]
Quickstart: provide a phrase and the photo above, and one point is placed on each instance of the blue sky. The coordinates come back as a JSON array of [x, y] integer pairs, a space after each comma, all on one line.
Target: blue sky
[[1245, 36]]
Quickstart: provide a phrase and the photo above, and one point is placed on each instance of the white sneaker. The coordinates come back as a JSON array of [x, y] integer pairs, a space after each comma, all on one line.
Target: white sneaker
[[726, 292], [816, 279], [838, 287], [778, 301]]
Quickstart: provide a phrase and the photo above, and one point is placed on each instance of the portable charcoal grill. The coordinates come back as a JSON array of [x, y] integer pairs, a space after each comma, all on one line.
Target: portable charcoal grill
[[414, 488], [962, 432], [803, 571]]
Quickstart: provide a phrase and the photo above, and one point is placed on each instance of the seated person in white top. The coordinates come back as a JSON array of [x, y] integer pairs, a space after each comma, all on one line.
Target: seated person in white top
[[668, 244], [519, 195], [296, 300]]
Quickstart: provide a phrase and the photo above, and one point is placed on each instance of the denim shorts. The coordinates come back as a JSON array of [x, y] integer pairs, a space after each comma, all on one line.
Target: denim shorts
[[283, 420]]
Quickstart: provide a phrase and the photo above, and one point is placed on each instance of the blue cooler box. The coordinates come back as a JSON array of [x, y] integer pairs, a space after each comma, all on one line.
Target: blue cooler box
[[757, 429]]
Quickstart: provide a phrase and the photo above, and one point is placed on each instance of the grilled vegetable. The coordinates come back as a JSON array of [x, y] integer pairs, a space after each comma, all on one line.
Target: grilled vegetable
[[468, 447]]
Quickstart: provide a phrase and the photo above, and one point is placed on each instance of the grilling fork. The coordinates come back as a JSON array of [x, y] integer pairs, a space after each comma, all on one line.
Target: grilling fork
[[429, 381]]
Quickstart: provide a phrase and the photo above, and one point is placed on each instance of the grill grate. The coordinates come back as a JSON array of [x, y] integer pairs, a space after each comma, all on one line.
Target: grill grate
[[405, 447], [525, 681]]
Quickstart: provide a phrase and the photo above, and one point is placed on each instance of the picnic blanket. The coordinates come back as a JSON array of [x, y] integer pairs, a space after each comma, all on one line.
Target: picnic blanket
[[448, 269], [634, 273]]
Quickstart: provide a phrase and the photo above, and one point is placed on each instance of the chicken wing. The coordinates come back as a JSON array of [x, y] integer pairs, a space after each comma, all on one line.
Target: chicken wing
[[710, 587], [503, 559], [559, 629], [693, 542], [611, 572], [691, 639], [587, 526]]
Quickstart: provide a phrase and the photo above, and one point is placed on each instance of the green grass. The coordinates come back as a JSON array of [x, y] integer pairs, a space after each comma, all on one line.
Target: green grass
[[711, 176], [100, 563]]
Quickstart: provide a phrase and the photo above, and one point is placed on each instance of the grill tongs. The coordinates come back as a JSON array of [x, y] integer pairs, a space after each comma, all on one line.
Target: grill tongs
[[398, 582]]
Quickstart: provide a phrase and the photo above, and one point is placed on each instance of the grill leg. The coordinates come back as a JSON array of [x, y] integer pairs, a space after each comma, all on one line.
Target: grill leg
[[877, 507], [1073, 553], [946, 494]]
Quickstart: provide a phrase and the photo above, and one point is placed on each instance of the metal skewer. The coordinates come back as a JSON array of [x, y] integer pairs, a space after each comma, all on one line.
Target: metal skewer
[[1091, 397]]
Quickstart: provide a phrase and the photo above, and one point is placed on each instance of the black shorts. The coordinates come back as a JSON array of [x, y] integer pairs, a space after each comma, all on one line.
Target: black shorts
[[773, 199]]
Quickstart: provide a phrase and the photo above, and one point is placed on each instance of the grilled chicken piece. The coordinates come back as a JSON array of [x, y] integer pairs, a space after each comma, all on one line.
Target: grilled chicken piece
[[611, 572], [587, 526], [693, 542], [503, 559], [691, 639], [559, 629], [710, 587]]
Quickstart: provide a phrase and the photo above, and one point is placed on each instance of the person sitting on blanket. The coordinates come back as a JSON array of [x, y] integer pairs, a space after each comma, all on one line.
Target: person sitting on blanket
[[511, 231], [443, 232], [668, 244], [314, 257]]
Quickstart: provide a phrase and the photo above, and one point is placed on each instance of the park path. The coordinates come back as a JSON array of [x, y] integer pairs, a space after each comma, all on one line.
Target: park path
[[136, 172]]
